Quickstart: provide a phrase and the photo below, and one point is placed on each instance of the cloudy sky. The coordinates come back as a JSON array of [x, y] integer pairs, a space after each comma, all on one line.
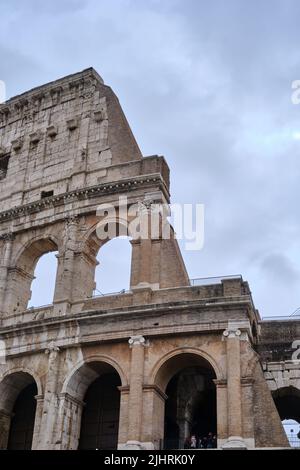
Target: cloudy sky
[[207, 84]]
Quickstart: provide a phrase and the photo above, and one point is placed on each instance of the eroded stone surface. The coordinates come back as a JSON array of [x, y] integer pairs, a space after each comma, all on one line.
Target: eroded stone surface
[[69, 149]]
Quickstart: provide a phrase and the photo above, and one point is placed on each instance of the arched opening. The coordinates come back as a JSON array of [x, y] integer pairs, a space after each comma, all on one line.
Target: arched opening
[[23, 417], [17, 411], [287, 401], [114, 269], [100, 417], [190, 407], [43, 284], [22, 276], [96, 385]]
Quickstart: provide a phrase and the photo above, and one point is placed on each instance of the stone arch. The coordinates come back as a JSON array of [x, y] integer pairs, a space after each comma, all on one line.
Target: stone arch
[[91, 233], [86, 392], [70, 384], [25, 370], [287, 401], [16, 415], [21, 273], [41, 244], [180, 368], [86, 259], [197, 353]]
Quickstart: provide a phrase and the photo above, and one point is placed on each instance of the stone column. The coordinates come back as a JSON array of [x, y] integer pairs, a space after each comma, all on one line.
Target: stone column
[[123, 417], [68, 422], [65, 270], [153, 417], [145, 245], [7, 240], [222, 424], [135, 263], [234, 391], [51, 400], [38, 421], [145, 263], [137, 344], [247, 407]]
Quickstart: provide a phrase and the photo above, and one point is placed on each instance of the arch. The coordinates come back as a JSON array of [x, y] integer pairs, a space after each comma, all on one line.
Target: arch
[[17, 409], [24, 370], [86, 263], [21, 274], [186, 376], [101, 414], [113, 272], [83, 366], [43, 285], [43, 243], [94, 386], [287, 401], [156, 375], [121, 230]]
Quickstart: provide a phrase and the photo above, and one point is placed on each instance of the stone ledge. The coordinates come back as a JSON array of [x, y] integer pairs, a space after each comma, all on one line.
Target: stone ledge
[[120, 186]]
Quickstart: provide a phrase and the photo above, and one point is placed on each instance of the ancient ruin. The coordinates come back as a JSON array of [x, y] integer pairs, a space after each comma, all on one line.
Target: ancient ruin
[[143, 369]]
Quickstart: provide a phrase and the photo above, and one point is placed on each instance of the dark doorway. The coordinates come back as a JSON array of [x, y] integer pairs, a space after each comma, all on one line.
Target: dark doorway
[[287, 401], [190, 407], [100, 418], [22, 423]]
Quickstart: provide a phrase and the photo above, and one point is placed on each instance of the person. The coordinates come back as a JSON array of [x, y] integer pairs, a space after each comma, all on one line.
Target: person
[[193, 442], [187, 444], [215, 442], [203, 444], [210, 440]]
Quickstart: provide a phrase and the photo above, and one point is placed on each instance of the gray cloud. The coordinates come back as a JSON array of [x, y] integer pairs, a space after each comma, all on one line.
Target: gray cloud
[[280, 268], [207, 84]]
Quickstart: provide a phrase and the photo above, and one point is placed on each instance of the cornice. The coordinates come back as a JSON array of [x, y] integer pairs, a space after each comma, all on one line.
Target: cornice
[[103, 189], [48, 95], [133, 312]]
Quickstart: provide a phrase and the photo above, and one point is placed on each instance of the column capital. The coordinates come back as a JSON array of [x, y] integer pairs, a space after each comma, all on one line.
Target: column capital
[[66, 396], [7, 237], [72, 219], [52, 350], [232, 333], [138, 340]]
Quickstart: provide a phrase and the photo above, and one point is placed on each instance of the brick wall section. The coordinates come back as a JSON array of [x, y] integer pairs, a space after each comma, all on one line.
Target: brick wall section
[[276, 339], [268, 429]]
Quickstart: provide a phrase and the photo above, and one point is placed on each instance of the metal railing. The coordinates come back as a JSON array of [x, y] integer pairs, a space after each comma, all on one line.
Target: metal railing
[[282, 318], [296, 313], [201, 281], [293, 440], [38, 307], [206, 281], [99, 294]]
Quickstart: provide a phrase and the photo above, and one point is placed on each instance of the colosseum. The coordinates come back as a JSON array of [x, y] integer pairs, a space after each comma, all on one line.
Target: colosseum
[[142, 369]]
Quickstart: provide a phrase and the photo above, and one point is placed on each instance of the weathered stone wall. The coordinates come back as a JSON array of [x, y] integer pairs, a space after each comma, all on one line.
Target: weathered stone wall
[[71, 137], [269, 431], [61, 137]]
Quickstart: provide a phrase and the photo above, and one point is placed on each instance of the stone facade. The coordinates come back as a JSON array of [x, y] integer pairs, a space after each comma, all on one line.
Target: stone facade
[[65, 148]]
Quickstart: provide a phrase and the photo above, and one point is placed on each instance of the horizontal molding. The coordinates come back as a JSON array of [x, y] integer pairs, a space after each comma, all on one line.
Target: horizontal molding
[[102, 189]]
